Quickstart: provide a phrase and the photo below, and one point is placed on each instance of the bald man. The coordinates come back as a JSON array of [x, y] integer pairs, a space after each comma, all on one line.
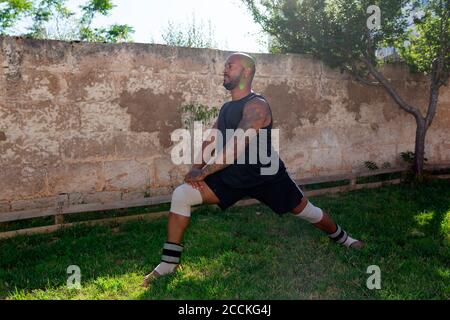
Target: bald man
[[224, 183]]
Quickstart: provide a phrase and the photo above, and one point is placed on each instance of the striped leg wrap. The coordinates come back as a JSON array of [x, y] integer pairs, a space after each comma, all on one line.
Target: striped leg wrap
[[341, 237], [171, 253]]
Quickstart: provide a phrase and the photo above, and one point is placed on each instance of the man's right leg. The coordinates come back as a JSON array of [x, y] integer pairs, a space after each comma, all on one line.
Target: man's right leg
[[179, 215], [183, 197]]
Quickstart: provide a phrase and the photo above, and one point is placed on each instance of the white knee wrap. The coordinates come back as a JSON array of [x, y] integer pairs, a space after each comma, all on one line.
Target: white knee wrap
[[311, 213], [184, 196]]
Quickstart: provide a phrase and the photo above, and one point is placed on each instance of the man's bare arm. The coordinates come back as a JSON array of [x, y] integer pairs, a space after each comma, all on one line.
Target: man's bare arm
[[256, 115], [204, 145]]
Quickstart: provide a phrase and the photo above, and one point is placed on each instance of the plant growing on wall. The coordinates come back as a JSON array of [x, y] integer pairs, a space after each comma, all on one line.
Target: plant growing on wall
[[408, 157], [347, 34], [372, 166], [198, 112], [194, 112]]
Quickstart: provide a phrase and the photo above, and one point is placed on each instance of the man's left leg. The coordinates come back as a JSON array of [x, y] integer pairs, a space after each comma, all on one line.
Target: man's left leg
[[321, 220]]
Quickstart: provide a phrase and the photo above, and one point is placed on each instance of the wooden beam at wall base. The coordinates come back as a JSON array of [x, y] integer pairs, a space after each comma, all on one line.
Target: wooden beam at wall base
[[55, 227], [81, 208], [156, 215]]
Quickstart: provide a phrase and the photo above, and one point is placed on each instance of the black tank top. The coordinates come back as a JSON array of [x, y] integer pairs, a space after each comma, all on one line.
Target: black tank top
[[244, 175]]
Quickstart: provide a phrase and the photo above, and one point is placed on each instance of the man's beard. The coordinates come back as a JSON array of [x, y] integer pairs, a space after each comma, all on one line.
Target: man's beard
[[230, 85]]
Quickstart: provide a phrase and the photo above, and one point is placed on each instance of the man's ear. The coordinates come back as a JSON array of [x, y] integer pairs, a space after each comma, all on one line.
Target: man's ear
[[247, 72]]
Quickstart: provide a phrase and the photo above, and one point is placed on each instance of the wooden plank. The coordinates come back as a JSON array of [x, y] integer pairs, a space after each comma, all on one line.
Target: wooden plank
[[346, 188], [314, 180], [312, 193], [92, 207], [27, 214], [379, 172], [59, 219], [52, 228], [30, 231], [155, 215], [437, 166], [442, 176], [348, 176], [81, 208], [378, 184]]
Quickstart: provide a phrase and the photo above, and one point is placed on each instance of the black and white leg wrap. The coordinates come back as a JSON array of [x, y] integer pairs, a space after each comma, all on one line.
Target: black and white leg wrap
[[341, 237], [171, 257], [171, 253]]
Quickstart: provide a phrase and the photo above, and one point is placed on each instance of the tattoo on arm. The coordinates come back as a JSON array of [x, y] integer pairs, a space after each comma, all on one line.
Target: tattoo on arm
[[256, 115]]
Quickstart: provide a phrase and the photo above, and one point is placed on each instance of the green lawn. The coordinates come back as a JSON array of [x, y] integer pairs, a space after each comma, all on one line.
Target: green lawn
[[250, 253]]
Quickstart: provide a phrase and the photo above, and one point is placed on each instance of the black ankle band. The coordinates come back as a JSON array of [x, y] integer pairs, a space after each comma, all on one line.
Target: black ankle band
[[171, 253], [339, 236]]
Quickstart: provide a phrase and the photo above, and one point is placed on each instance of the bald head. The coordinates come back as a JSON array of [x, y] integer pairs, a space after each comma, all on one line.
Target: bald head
[[239, 69], [245, 60]]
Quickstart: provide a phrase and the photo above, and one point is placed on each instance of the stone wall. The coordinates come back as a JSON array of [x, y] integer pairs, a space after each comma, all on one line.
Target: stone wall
[[93, 121]]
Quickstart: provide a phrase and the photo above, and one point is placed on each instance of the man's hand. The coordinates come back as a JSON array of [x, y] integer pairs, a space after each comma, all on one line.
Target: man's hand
[[194, 178]]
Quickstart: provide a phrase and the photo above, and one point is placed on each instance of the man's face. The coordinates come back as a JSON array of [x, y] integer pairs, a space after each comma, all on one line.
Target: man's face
[[232, 73]]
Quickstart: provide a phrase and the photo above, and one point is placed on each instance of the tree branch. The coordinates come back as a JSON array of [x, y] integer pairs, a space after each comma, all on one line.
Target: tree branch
[[391, 90], [352, 71], [361, 79]]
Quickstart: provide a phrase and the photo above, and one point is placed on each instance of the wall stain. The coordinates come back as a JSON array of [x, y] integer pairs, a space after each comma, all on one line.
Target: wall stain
[[359, 94], [152, 112], [77, 83], [289, 108]]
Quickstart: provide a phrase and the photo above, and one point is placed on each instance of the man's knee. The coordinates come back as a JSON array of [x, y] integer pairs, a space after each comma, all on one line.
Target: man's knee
[[183, 197], [310, 213]]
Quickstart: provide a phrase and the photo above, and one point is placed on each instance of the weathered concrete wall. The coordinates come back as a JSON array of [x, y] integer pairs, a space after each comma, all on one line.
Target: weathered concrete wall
[[93, 121]]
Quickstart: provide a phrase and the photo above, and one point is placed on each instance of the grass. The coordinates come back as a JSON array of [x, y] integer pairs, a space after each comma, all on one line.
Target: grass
[[250, 253]]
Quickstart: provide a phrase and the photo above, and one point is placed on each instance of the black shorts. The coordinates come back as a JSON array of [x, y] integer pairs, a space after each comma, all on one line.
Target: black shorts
[[281, 195]]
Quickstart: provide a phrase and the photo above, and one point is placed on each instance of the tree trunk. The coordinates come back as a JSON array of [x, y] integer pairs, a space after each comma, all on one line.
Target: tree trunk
[[419, 152], [423, 123]]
